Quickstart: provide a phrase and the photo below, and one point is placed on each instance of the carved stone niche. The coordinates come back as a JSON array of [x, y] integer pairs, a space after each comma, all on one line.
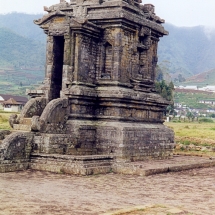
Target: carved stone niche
[[144, 31], [106, 61], [145, 43]]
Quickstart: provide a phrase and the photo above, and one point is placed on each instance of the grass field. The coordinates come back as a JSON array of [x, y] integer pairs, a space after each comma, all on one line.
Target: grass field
[[4, 120], [193, 129], [194, 138], [199, 133]]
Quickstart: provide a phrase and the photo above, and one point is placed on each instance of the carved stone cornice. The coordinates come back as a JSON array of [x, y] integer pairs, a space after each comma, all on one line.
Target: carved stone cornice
[[48, 17], [58, 30]]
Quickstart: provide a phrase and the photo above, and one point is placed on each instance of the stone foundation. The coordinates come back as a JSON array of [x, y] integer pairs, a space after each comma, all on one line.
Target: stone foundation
[[76, 165]]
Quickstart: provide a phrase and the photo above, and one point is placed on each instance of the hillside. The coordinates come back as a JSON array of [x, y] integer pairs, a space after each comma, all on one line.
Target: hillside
[[191, 98], [187, 50], [202, 79], [18, 51], [22, 62], [22, 24]]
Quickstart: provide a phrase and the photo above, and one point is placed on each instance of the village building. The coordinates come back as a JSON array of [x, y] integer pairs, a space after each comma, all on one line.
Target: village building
[[12, 103], [187, 87], [208, 88], [207, 101]]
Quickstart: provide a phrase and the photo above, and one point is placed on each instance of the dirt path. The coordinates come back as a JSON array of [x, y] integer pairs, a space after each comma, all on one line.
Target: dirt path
[[32, 192]]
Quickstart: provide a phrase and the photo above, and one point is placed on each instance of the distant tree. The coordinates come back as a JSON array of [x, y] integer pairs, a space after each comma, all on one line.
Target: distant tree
[[159, 74], [212, 115], [174, 113], [181, 78], [171, 85], [193, 117], [190, 115], [170, 110], [166, 91], [158, 87]]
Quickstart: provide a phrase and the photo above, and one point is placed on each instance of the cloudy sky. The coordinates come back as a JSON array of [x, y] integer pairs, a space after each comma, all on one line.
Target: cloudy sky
[[177, 12]]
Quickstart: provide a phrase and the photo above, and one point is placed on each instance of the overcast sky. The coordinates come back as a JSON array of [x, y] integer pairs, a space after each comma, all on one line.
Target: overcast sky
[[177, 12]]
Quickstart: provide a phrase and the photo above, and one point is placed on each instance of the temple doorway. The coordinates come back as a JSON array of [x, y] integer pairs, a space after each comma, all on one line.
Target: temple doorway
[[57, 72]]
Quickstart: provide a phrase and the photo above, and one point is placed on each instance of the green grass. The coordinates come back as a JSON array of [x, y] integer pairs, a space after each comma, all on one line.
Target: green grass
[[192, 99], [206, 120], [4, 124], [16, 81], [187, 133]]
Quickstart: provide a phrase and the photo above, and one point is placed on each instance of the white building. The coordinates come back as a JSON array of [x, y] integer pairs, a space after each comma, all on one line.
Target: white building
[[208, 88], [187, 87], [207, 101], [12, 103]]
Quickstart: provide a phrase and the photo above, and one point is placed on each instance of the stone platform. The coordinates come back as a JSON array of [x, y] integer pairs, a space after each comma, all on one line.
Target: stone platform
[[96, 164], [74, 165], [175, 164]]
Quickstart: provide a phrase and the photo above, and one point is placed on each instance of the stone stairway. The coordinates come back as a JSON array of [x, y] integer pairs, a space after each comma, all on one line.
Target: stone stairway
[[70, 164]]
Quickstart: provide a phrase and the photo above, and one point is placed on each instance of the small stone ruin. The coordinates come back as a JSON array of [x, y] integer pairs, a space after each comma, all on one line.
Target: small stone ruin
[[97, 109]]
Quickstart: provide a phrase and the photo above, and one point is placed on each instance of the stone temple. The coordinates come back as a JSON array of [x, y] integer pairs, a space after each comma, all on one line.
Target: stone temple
[[97, 109]]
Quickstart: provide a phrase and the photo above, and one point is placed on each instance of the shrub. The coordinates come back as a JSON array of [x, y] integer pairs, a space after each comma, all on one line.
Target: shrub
[[206, 120], [176, 121], [186, 142]]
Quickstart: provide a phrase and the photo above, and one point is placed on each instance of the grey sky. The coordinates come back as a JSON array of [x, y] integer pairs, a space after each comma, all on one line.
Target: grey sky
[[177, 12]]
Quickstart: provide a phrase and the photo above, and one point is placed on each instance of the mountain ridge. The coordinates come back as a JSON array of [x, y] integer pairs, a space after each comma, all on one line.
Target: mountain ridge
[[17, 51], [22, 24], [187, 50]]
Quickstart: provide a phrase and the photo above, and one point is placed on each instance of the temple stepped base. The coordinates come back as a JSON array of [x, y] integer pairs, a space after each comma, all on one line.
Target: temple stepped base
[[12, 167], [152, 167], [77, 165], [102, 164]]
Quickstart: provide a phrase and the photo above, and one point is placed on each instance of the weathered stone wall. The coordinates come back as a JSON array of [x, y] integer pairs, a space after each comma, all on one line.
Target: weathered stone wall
[[136, 141], [88, 59], [4, 133], [79, 142], [15, 151], [78, 165], [147, 142]]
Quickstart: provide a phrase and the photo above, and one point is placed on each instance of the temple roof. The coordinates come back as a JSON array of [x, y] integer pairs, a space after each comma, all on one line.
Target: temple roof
[[128, 10], [19, 99]]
